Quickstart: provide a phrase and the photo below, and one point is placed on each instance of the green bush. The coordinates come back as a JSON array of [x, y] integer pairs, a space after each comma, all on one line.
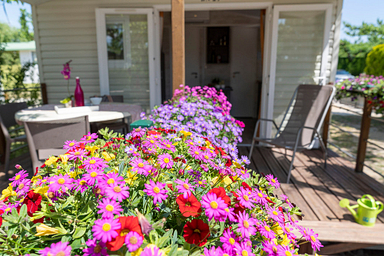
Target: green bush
[[375, 61]]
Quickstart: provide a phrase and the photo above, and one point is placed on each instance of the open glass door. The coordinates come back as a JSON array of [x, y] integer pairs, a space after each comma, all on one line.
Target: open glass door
[[299, 51], [126, 55]]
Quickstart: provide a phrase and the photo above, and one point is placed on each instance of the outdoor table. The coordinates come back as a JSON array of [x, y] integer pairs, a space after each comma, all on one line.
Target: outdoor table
[[107, 112]]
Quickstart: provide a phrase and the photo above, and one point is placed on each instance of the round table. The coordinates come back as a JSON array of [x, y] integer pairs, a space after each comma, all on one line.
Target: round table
[[47, 113]]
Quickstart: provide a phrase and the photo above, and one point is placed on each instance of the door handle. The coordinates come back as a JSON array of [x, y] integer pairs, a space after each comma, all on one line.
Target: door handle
[[235, 73], [195, 74]]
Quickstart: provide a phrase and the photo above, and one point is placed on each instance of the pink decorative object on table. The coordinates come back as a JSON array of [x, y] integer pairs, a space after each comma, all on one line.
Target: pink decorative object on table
[[79, 95]]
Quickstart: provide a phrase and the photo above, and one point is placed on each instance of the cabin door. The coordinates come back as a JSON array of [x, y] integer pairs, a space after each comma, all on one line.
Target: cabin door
[[126, 55], [299, 52]]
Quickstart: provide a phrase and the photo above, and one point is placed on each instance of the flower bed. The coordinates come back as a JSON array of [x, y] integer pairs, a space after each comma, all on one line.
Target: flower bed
[[153, 192], [370, 87], [204, 111]]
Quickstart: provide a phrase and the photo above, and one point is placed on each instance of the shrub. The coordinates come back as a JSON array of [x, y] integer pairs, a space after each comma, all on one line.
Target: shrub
[[375, 61]]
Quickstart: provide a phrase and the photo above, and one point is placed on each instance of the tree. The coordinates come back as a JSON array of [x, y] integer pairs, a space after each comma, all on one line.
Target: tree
[[25, 18]]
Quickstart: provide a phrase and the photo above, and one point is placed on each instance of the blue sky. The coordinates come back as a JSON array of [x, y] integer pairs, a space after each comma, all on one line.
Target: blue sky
[[354, 12]]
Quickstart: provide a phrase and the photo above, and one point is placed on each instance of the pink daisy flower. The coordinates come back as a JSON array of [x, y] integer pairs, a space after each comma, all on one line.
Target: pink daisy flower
[[92, 177], [94, 163], [77, 154], [184, 187], [260, 197], [246, 225], [133, 241], [245, 198], [156, 189], [196, 153], [94, 248], [140, 166], [18, 178], [213, 251], [230, 214], [105, 229], [166, 144], [285, 250], [23, 187], [265, 230], [214, 206], [88, 138], [111, 179], [272, 181], [309, 235], [117, 192], [271, 248], [57, 182], [70, 144], [138, 132], [151, 250], [228, 239], [81, 185], [109, 207], [275, 214], [243, 249], [60, 248], [165, 161]]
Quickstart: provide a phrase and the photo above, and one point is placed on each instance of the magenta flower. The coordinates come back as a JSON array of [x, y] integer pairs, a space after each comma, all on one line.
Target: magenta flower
[[71, 145], [138, 132], [92, 177], [105, 229], [133, 241], [245, 198], [109, 207], [151, 250], [66, 72], [228, 239], [272, 181], [60, 248], [19, 177], [286, 250], [271, 248], [310, 235], [94, 248], [77, 154], [156, 189], [89, 138], [23, 187], [117, 192], [57, 182], [246, 225], [275, 214], [184, 187], [265, 230], [214, 206], [81, 185], [165, 161], [166, 144], [94, 163], [260, 197], [140, 166], [196, 153], [243, 249], [111, 179], [213, 251]]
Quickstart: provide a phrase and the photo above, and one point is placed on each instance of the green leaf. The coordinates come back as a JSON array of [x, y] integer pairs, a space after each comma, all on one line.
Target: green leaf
[[121, 168], [12, 230], [15, 214], [79, 232], [173, 251], [23, 211], [77, 243], [68, 201], [162, 241]]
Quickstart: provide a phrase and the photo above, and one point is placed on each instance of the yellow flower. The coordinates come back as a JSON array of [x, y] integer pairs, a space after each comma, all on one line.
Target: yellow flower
[[41, 190], [236, 164], [108, 157], [92, 149], [8, 192], [51, 160], [277, 229], [64, 158], [137, 252], [227, 180], [36, 178], [208, 143], [73, 174], [44, 230], [285, 240], [186, 134], [131, 177]]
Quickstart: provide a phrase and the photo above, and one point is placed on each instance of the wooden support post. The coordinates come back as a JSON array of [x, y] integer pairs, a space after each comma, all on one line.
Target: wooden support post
[[178, 44], [327, 122], [44, 95], [364, 134]]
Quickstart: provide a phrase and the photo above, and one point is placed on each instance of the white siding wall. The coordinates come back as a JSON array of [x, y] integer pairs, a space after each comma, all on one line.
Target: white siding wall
[[66, 30]]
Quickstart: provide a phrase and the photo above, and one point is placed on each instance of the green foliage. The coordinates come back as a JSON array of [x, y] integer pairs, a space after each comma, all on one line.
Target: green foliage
[[352, 55], [375, 61], [25, 18]]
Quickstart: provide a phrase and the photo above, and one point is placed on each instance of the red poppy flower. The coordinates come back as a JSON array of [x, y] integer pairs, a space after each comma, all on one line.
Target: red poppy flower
[[33, 201], [170, 186], [228, 163], [220, 192], [1, 218], [128, 224], [190, 206], [196, 232], [245, 185]]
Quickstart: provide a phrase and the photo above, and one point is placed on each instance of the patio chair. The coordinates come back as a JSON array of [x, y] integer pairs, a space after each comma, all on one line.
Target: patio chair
[[113, 125], [302, 121], [47, 138], [7, 120]]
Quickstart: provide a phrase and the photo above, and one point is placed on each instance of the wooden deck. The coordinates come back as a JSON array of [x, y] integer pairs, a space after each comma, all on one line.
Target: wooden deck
[[317, 191]]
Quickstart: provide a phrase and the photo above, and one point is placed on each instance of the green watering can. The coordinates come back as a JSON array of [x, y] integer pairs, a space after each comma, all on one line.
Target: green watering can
[[367, 209]]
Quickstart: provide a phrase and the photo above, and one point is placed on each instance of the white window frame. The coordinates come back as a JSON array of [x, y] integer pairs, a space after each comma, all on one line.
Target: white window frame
[[103, 54], [274, 38]]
